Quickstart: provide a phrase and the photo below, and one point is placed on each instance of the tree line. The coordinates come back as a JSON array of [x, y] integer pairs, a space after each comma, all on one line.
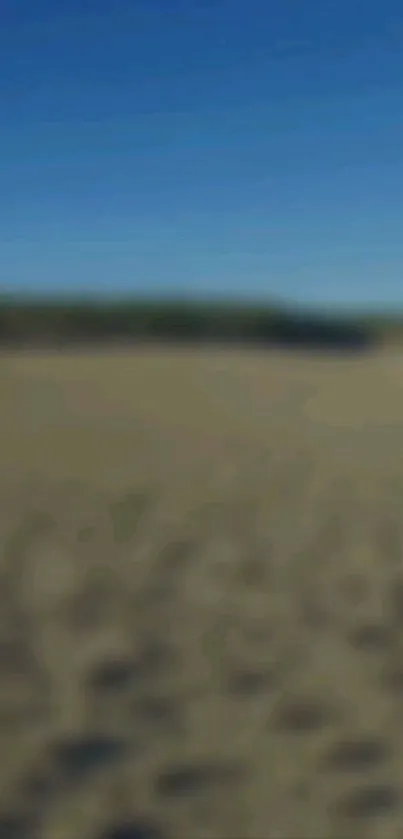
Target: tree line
[[50, 323]]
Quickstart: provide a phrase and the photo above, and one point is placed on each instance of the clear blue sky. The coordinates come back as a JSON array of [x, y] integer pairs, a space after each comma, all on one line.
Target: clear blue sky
[[248, 148]]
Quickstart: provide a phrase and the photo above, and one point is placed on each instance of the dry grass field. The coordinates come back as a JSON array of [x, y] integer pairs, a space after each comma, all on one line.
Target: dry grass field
[[201, 596]]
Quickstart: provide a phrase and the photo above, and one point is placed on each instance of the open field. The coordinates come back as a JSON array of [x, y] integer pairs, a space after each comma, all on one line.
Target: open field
[[201, 595]]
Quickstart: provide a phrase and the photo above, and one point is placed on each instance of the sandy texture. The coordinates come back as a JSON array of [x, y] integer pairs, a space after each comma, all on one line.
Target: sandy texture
[[201, 596]]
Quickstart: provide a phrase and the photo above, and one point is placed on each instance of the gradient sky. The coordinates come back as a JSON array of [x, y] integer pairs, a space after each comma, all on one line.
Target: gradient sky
[[250, 149]]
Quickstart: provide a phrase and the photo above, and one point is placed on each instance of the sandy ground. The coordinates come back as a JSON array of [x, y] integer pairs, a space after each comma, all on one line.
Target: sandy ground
[[201, 596]]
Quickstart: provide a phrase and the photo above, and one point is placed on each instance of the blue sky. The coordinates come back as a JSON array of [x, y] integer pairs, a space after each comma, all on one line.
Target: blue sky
[[200, 147]]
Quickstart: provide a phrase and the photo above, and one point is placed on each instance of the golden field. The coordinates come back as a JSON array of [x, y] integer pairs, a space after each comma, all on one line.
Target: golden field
[[201, 583]]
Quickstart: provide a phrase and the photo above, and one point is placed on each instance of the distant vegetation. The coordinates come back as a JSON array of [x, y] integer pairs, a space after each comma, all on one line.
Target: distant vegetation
[[49, 323]]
